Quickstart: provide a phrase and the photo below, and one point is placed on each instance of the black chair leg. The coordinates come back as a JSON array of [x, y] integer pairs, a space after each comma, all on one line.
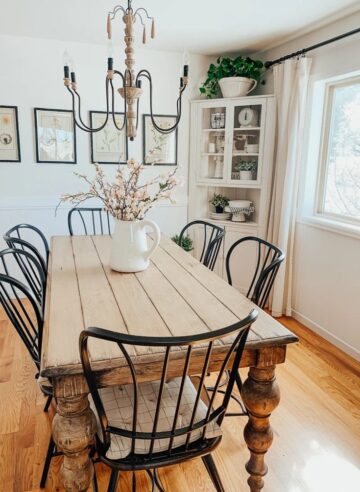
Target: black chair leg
[[47, 404], [113, 480], [212, 471], [238, 381], [157, 481], [49, 455]]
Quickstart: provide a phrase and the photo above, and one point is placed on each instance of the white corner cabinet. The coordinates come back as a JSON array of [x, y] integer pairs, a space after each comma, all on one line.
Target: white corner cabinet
[[228, 137]]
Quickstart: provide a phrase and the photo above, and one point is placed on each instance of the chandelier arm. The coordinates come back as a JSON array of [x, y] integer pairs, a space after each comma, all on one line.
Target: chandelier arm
[[101, 127], [85, 129], [116, 10], [146, 74], [144, 10], [120, 129], [141, 19]]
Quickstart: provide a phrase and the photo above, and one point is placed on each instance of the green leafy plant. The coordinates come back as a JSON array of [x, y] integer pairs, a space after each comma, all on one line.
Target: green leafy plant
[[219, 202], [230, 67], [246, 166], [186, 242]]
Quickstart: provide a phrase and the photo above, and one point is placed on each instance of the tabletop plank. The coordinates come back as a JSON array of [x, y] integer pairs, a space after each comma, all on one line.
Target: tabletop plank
[[99, 305], [64, 311]]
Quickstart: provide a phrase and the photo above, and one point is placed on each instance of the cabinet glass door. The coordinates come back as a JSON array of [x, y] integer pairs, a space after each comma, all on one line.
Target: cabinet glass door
[[247, 143], [212, 151]]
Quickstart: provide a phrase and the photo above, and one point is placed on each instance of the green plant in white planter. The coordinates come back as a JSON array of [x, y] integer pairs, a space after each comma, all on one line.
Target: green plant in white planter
[[219, 202], [236, 77], [246, 169]]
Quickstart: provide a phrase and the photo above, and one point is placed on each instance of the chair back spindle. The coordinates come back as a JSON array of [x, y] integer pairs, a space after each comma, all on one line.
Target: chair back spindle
[[212, 238], [268, 261], [25, 267], [27, 237], [89, 221]]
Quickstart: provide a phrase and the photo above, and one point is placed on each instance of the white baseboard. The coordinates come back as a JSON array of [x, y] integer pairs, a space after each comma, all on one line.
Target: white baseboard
[[330, 337]]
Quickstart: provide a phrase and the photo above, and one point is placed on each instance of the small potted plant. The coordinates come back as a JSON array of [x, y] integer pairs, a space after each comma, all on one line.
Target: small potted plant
[[186, 242], [236, 77], [247, 169], [219, 202]]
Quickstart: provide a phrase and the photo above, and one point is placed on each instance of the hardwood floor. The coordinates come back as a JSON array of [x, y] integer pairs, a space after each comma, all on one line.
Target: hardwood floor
[[316, 427]]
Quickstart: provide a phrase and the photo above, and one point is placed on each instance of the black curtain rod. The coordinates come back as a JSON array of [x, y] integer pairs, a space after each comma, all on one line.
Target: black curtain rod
[[269, 64]]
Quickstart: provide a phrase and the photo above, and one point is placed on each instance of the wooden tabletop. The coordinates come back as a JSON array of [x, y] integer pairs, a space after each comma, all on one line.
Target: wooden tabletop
[[175, 296]]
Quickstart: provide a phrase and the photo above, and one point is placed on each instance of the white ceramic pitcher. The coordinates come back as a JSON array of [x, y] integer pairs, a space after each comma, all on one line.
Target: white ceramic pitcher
[[130, 251]]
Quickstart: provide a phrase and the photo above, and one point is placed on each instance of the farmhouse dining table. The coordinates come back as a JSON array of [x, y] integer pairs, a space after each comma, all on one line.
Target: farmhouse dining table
[[175, 296]]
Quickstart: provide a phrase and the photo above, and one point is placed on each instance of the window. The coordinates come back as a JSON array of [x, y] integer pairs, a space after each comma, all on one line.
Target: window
[[339, 178]]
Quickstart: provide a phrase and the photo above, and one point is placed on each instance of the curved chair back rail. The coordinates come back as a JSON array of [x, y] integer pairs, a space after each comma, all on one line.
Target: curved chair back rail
[[92, 221], [212, 239], [22, 245], [177, 438], [25, 314], [269, 259], [24, 232], [20, 263]]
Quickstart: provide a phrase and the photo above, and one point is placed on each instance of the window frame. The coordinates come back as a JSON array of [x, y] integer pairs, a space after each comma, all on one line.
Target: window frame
[[329, 88]]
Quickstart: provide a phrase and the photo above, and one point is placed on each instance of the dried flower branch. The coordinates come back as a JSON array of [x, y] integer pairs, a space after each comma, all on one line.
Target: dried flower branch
[[125, 198]]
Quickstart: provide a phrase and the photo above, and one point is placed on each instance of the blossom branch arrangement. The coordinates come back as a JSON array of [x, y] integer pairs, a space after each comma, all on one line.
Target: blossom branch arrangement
[[125, 198]]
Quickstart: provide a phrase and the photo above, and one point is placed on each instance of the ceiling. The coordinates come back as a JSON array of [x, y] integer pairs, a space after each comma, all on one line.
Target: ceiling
[[198, 26]]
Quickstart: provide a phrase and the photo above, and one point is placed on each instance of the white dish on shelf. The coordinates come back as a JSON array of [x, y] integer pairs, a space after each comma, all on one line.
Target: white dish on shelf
[[221, 216]]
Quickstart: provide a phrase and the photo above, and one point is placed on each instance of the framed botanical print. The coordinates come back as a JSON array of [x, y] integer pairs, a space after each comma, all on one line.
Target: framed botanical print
[[109, 145], [9, 134], [159, 148], [55, 136]]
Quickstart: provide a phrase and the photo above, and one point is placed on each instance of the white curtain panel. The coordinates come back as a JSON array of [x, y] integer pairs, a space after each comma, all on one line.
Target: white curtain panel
[[290, 85]]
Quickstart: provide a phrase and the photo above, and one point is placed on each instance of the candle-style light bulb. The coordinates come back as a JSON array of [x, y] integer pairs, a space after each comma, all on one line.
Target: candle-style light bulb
[[66, 58], [186, 63], [72, 64], [110, 48]]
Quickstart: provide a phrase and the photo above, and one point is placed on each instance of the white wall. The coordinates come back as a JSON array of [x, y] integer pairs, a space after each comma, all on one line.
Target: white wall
[[327, 264], [31, 76]]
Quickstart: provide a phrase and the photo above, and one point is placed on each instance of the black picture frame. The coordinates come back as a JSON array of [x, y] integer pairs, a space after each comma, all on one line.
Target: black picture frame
[[175, 133], [48, 161], [93, 160], [17, 133]]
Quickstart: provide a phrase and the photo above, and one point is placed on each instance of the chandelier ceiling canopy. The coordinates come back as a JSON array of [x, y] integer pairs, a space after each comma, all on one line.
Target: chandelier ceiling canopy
[[130, 83]]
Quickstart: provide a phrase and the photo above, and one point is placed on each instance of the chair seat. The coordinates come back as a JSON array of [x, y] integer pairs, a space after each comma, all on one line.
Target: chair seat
[[118, 403]]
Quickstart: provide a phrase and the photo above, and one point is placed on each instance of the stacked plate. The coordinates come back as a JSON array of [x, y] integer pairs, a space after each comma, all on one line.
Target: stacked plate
[[223, 216]]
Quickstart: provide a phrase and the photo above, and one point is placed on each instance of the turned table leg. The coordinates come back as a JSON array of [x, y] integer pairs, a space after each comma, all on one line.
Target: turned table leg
[[73, 429], [261, 395]]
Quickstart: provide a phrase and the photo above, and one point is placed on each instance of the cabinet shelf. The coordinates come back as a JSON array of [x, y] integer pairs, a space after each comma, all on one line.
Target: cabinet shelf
[[248, 223], [246, 153], [213, 153], [213, 129], [242, 128], [228, 184]]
